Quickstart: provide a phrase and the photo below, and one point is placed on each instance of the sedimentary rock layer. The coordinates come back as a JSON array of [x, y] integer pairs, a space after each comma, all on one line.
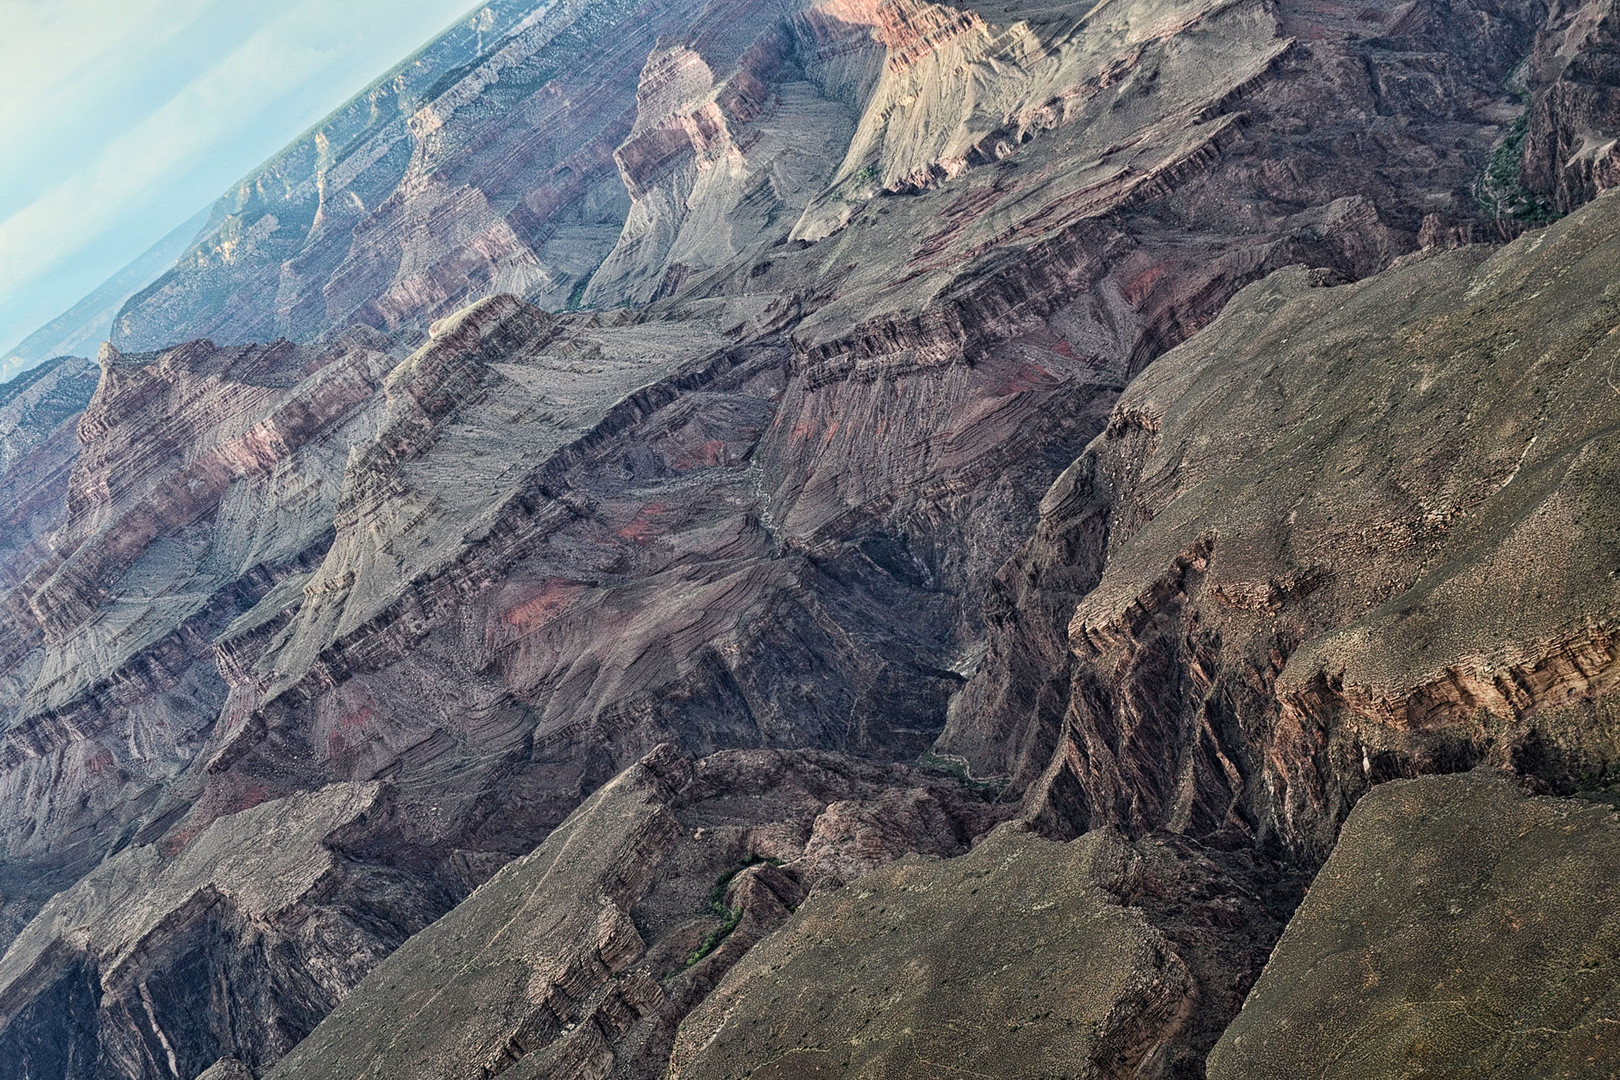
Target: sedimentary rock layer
[[581, 958], [890, 266], [484, 165], [1565, 146], [158, 966], [200, 479], [1349, 533], [1024, 958]]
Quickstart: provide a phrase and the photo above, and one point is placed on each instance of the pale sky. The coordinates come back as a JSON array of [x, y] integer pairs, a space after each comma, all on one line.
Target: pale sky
[[120, 119]]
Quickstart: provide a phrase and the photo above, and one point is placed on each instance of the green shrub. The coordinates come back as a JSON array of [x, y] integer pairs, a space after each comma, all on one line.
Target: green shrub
[[1500, 188], [729, 916], [732, 917], [957, 767]]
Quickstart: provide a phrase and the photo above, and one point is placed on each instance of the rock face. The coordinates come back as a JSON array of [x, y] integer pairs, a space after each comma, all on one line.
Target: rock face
[[238, 945], [737, 518], [483, 165], [1460, 929], [38, 448], [1025, 958], [200, 480], [1347, 534], [621, 152], [1569, 134], [866, 278], [580, 958]]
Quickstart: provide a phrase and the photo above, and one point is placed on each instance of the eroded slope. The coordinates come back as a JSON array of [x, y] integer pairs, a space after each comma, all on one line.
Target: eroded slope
[[1023, 958], [581, 958], [1347, 534], [759, 512]]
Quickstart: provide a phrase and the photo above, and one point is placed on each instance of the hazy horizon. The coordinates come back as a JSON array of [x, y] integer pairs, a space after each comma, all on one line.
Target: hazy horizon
[[130, 116]]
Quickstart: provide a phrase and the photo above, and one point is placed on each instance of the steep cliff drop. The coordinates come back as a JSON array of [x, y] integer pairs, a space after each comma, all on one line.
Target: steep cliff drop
[[1345, 535]]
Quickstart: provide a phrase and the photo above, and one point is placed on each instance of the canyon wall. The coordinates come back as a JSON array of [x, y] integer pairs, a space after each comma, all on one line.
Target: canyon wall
[[1349, 533], [1491, 950], [660, 391]]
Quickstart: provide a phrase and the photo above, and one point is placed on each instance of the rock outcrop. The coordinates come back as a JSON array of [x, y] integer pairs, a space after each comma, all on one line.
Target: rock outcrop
[[1565, 144], [1023, 958], [581, 958], [1349, 533], [200, 479], [1461, 928], [156, 967]]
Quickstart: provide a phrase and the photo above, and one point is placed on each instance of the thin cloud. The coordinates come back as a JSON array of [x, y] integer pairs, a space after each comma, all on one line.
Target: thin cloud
[[39, 237], [72, 74], [256, 80]]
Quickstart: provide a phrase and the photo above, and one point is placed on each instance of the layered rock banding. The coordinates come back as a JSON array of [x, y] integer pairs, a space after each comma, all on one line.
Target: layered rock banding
[[1564, 148], [201, 479], [273, 909], [484, 165], [1024, 958], [1347, 534], [864, 279], [581, 958]]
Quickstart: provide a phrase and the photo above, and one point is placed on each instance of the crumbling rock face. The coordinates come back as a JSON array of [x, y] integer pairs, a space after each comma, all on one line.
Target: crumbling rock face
[[1460, 928], [1347, 534], [1023, 958], [237, 946], [898, 261], [1569, 134], [484, 166], [201, 478], [581, 958]]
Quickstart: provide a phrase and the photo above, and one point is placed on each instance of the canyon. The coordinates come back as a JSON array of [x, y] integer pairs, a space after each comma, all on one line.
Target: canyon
[[664, 536]]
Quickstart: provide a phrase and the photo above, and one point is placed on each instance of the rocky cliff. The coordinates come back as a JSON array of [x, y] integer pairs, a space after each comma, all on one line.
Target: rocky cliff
[[38, 449], [610, 152], [657, 392], [1023, 958], [1564, 147], [482, 165], [583, 957], [1347, 534]]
